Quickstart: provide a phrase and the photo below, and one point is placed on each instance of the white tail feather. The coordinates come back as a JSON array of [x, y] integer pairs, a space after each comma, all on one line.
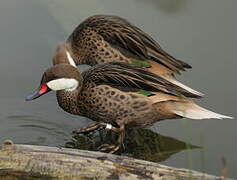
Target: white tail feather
[[193, 111], [185, 87]]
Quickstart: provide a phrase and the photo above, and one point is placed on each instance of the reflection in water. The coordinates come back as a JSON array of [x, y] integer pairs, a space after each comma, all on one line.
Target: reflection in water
[[138, 143], [168, 6]]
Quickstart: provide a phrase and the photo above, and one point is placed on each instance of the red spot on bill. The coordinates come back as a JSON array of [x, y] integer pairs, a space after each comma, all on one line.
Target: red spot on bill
[[43, 89]]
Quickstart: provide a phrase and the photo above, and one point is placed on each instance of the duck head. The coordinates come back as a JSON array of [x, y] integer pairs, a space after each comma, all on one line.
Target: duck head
[[59, 77]]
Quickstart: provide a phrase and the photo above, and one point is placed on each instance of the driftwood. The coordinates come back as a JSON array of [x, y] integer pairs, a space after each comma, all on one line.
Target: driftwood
[[62, 163]]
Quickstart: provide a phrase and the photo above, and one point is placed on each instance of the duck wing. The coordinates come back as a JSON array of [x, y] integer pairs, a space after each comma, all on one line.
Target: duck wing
[[126, 76]]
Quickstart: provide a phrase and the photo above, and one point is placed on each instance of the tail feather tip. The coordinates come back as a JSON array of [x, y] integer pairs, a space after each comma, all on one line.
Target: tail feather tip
[[193, 114]]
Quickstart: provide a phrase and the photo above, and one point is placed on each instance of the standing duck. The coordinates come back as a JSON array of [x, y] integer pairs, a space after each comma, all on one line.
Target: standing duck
[[118, 95], [106, 38]]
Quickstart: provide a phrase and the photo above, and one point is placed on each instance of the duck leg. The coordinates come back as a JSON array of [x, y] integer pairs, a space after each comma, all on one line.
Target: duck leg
[[111, 148], [90, 128], [97, 126]]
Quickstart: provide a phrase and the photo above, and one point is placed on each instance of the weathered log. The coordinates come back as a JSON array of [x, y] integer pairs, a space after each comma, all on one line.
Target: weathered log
[[62, 163]]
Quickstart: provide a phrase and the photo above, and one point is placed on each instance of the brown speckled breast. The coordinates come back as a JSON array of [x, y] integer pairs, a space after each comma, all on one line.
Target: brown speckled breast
[[106, 104]]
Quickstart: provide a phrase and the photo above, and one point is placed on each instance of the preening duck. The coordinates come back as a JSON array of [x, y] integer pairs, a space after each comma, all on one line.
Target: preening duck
[[106, 38]]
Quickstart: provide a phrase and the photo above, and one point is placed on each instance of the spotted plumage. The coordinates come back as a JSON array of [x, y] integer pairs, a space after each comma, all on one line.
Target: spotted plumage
[[114, 38], [105, 38], [109, 93]]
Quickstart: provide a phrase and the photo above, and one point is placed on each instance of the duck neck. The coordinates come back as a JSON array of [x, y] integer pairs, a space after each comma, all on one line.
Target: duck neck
[[76, 53], [64, 55]]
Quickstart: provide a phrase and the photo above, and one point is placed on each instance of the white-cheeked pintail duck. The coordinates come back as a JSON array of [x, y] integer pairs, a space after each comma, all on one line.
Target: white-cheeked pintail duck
[[118, 95]]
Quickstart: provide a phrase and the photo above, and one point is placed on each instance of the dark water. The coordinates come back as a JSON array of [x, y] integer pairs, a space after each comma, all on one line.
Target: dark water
[[203, 33]]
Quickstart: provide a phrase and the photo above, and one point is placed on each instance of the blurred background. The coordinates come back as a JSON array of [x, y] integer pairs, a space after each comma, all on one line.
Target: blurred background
[[202, 33]]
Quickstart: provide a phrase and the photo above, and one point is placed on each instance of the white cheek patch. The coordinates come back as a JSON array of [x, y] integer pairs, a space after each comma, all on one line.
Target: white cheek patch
[[71, 61], [63, 84]]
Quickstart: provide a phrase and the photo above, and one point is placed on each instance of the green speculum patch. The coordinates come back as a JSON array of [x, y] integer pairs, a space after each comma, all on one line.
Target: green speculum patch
[[145, 93], [140, 63]]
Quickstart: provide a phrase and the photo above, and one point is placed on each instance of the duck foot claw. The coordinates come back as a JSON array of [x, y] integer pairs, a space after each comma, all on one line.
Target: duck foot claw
[[108, 148]]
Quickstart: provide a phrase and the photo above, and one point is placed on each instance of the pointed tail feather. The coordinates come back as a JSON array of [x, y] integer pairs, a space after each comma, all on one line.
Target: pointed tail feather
[[193, 111], [168, 75], [199, 94]]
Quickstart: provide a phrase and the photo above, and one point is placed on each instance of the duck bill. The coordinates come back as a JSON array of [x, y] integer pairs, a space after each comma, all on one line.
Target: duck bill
[[41, 91]]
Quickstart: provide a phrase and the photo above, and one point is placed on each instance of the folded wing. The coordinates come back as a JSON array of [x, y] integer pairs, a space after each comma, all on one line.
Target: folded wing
[[127, 76]]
